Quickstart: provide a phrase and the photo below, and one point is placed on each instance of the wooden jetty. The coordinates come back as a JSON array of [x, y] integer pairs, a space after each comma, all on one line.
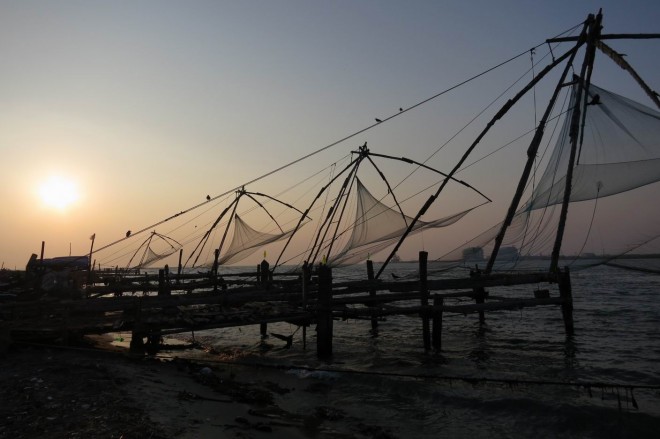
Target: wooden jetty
[[153, 306]]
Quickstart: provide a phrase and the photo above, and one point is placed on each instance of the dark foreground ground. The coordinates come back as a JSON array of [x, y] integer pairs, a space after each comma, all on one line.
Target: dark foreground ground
[[86, 392], [67, 394]]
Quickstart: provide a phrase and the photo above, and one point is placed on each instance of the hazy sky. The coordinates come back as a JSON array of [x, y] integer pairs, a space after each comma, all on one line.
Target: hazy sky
[[148, 106]]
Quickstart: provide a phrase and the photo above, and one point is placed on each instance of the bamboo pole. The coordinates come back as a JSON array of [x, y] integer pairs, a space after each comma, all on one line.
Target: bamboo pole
[[324, 314], [531, 157], [372, 294], [505, 108], [566, 293], [587, 65], [424, 293], [438, 302]]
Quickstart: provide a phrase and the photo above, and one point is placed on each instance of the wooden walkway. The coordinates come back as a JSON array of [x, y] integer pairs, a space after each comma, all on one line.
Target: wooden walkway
[[153, 306]]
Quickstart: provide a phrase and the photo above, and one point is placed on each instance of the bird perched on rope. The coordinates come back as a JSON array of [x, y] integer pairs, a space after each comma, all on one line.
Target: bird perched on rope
[[378, 120], [208, 198], [128, 233]]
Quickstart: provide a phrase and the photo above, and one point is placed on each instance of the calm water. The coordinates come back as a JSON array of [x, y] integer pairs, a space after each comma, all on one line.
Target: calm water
[[617, 340]]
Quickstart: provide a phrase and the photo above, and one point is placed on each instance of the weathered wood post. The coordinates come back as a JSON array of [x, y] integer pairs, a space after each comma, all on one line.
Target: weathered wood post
[[162, 288], [263, 280], [372, 293], [214, 270], [438, 302], [479, 295], [566, 293], [264, 268], [305, 287], [179, 268], [324, 313], [137, 343], [424, 295]]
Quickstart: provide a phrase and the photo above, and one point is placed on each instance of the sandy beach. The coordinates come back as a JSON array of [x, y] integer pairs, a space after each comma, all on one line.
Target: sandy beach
[[101, 391]]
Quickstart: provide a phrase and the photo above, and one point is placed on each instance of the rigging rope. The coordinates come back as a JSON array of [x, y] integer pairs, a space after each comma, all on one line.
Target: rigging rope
[[319, 150]]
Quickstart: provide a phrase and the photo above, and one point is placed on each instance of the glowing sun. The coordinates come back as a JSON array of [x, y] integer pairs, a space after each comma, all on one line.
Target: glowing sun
[[58, 192]]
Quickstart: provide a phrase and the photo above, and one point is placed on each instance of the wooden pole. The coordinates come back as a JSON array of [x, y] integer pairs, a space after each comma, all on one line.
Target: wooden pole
[[180, 268], [264, 268], [505, 108], [163, 282], [137, 343], [531, 158], [566, 293], [424, 293], [43, 247], [594, 32], [372, 293], [480, 298], [214, 270], [438, 302], [90, 271], [324, 314], [479, 295], [305, 286], [265, 274]]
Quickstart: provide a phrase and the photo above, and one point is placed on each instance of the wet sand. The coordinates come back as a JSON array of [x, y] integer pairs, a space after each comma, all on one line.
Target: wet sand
[[103, 392]]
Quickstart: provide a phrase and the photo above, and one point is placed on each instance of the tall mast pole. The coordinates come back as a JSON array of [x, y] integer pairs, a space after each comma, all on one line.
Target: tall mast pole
[[531, 154], [587, 65], [467, 153]]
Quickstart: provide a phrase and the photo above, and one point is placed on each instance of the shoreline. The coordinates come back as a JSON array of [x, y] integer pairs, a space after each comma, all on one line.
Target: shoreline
[[102, 391]]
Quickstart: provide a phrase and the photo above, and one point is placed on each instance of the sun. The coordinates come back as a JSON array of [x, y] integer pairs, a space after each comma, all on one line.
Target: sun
[[58, 192]]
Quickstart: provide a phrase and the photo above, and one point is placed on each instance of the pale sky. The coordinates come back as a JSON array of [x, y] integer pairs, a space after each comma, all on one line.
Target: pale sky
[[146, 107]]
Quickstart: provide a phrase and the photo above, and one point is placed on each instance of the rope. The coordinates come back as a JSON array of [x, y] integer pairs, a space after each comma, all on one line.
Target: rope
[[319, 150]]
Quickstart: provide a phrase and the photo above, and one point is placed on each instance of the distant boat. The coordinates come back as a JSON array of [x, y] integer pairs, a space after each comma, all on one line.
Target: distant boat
[[395, 258], [473, 254]]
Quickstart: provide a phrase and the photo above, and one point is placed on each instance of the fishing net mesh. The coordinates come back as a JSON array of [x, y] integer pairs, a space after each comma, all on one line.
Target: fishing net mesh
[[619, 153]]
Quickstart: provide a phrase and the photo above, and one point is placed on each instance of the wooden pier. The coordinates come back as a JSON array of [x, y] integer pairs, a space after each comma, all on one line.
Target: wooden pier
[[154, 306]]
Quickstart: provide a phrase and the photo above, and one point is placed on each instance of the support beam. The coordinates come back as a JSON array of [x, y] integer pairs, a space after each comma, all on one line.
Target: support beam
[[424, 294], [438, 302], [372, 294], [566, 293], [324, 314]]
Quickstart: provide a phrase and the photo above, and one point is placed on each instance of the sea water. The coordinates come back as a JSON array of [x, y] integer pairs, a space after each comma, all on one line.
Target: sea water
[[379, 376]]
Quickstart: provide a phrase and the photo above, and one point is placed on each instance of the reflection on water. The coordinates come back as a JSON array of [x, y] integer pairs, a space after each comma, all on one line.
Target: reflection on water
[[616, 340]]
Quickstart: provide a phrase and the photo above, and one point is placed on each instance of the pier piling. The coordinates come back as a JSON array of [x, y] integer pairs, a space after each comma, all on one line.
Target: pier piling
[[324, 314], [372, 293], [424, 295], [566, 293], [438, 302]]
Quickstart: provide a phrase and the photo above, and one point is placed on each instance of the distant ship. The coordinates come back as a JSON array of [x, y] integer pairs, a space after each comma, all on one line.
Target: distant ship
[[473, 254], [395, 258]]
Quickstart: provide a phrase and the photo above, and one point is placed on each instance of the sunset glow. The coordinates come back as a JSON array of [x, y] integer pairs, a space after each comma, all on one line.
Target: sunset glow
[[58, 192]]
